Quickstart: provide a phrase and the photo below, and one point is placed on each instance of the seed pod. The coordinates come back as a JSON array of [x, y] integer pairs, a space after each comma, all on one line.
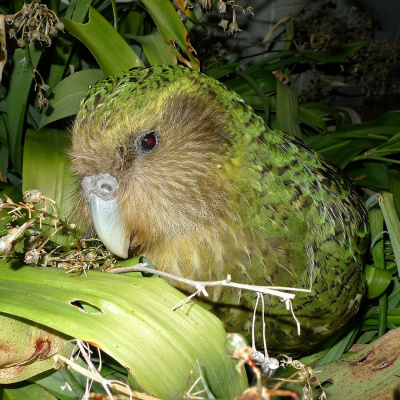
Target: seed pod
[[33, 196], [32, 23], [5, 244], [60, 26], [32, 257], [221, 7], [21, 42]]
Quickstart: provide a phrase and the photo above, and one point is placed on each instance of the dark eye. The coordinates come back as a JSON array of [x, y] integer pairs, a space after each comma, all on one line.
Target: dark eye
[[146, 142]]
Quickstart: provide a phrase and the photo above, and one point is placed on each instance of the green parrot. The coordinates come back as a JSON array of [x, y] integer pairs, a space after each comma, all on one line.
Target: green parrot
[[176, 167]]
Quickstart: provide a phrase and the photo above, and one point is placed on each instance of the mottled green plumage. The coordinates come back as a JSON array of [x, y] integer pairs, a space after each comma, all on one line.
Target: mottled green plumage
[[222, 194]]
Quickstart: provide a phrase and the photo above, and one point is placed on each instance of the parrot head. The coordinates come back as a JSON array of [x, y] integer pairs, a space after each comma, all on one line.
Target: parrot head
[[152, 149]]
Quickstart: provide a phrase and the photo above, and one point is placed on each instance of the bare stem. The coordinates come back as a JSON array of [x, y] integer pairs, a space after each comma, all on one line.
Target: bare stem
[[201, 285]]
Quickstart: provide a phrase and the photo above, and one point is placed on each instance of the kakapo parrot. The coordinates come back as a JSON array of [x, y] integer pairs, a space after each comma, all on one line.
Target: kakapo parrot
[[176, 167]]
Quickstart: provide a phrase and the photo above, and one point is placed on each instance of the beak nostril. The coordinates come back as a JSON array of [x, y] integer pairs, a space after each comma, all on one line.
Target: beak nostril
[[106, 187]]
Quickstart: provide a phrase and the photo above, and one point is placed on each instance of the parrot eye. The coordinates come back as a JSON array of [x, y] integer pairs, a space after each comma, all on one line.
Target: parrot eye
[[146, 142]]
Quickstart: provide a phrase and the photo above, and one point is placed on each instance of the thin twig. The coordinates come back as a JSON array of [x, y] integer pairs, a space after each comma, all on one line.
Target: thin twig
[[201, 285], [93, 374]]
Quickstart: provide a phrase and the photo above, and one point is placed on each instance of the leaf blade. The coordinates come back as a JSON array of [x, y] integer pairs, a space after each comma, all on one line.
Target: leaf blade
[[67, 95], [110, 50], [17, 100], [131, 313]]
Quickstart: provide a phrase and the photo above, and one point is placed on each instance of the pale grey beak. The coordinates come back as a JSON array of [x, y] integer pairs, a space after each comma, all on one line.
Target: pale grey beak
[[100, 191]]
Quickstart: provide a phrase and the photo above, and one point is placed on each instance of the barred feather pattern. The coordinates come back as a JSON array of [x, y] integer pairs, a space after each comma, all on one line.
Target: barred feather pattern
[[223, 194]]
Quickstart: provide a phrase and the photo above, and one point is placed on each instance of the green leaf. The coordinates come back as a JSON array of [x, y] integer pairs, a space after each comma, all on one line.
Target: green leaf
[[374, 175], [257, 88], [221, 71], [110, 50], [379, 130], [378, 280], [47, 168], [375, 217], [367, 337], [173, 30], [324, 111], [24, 392], [339, 54], [57, 380], [264, 80], [191, 16], [62, 51], [392, 223], [135, 325], [67, 95], [394, 185], [11, 191], [20, 85], [77, 10], [337, 350], [3, 162], [338, 152], [132, 23], [3, 123], [392, 146], [289, 35], [286, 58], [311, 118], [287, 106], [394, 299], [156, 49], [27, 348]]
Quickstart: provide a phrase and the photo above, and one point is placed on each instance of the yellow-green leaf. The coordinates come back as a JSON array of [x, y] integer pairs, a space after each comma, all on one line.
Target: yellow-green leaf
[[378, 280], [20, 85], [392, 223], [173, 30], [132, 321], [156, 49], [27, 349], [47, 168], [287, 107], [67, 95], [108, 48], [24, 392]]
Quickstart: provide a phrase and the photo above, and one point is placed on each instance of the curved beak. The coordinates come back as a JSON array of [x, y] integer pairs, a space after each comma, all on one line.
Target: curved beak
[[101, 192]]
